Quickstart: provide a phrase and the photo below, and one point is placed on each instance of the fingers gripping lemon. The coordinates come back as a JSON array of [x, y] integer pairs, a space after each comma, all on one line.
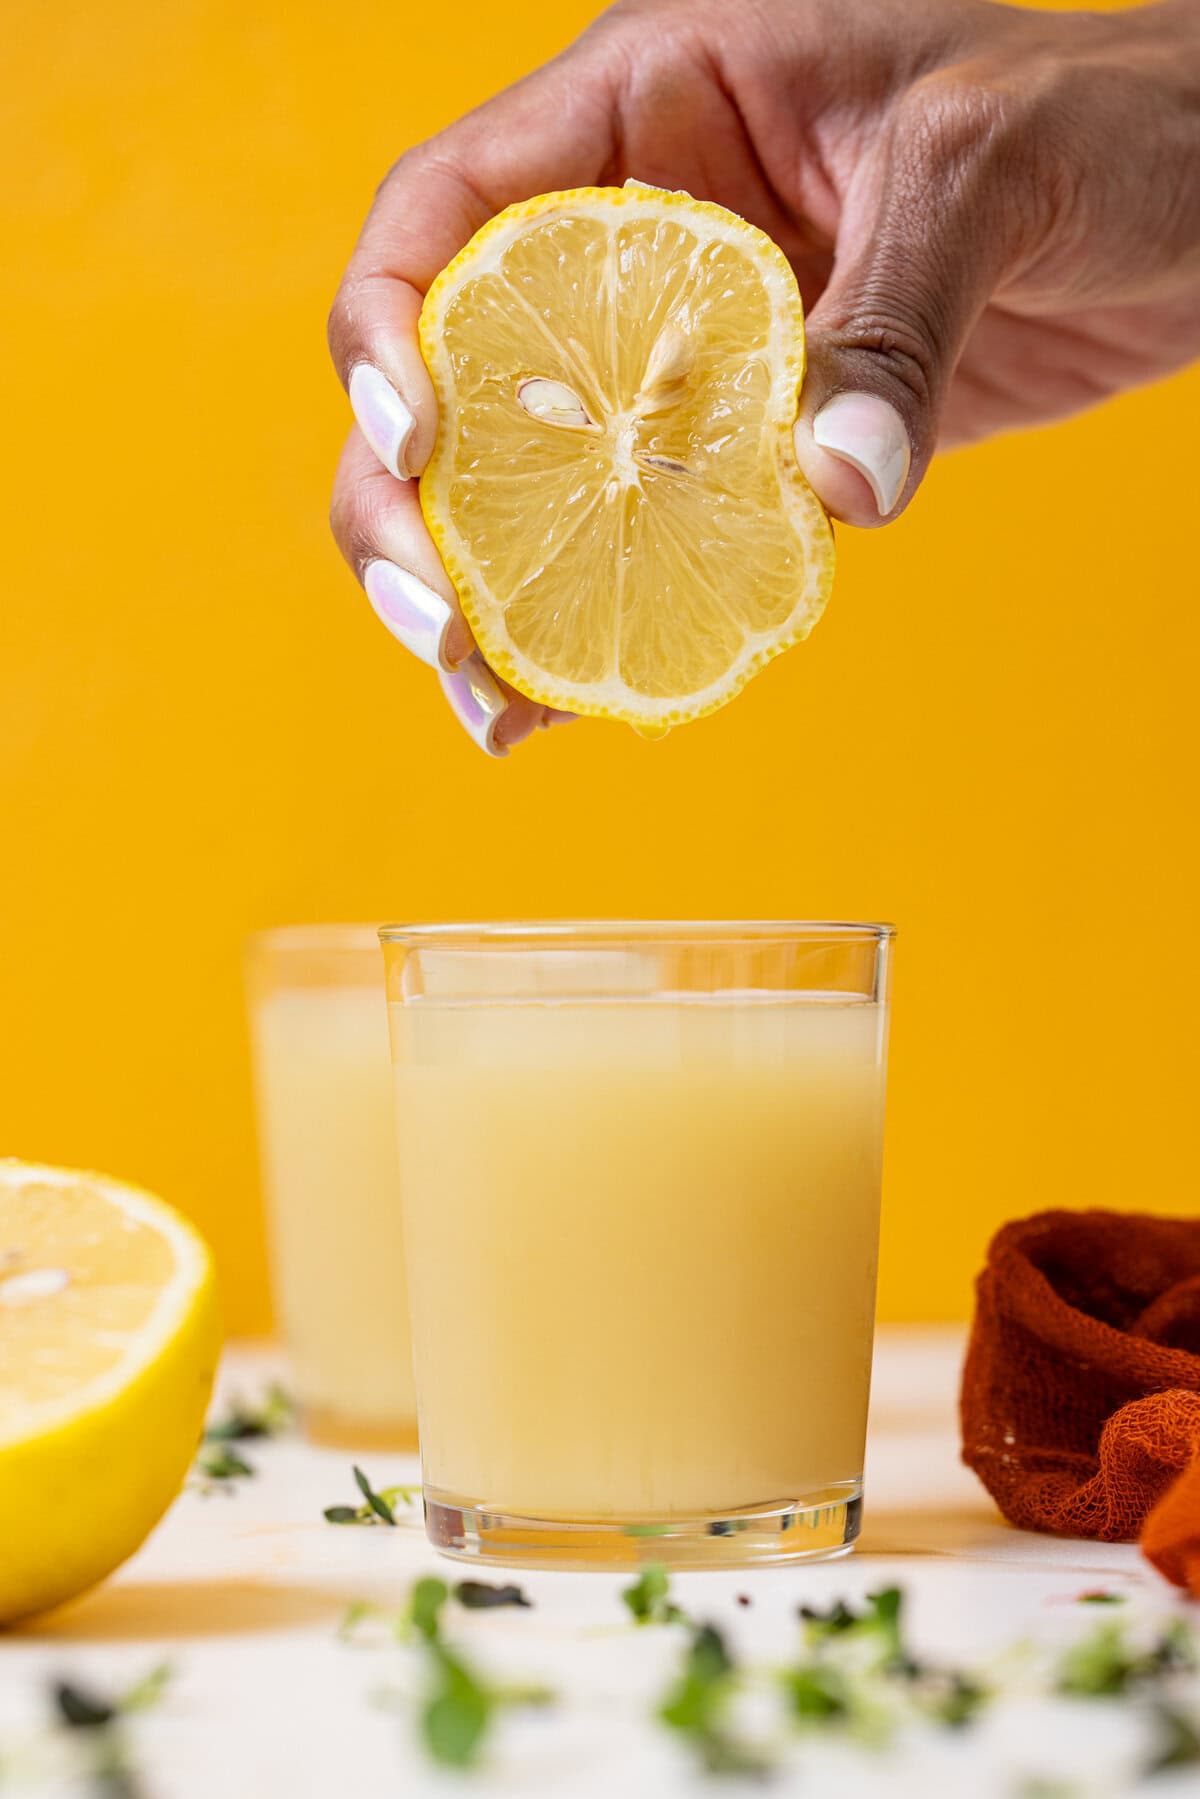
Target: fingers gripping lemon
[[614, 488], [108, 1344]]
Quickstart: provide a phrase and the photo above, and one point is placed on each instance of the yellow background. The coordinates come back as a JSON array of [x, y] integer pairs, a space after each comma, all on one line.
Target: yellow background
[[990, 739]]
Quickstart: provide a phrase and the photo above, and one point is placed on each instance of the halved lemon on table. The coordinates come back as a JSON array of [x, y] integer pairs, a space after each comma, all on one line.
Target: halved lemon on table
[[109, 1337], [614, 488]]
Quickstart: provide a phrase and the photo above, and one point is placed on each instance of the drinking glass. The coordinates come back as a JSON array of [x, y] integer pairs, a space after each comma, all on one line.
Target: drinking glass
[[327, 1142], [640, 1168]]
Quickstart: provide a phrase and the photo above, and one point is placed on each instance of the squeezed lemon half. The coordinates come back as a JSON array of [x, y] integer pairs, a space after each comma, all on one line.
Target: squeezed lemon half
[[614, 488], [109, 1338]]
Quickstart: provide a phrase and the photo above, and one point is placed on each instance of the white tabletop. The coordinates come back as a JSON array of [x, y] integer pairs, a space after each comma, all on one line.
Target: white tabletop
[[243, 1595]]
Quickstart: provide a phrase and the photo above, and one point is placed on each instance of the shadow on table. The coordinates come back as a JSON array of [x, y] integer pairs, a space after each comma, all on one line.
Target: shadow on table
[[921, 1530], [979, 1534], [129, 1610]]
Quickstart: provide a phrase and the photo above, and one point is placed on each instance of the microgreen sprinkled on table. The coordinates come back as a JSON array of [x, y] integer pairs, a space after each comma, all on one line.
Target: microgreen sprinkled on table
[[698, 1707], [421, 1615], [648, 1599], [460, 1706], [458, 1703], [272, 1417], [378, 1507], [222, 1463], [482, 1595], [1178, 1738], [855, 1679], [879, 1620], [82, 1710], [1106, 1662]]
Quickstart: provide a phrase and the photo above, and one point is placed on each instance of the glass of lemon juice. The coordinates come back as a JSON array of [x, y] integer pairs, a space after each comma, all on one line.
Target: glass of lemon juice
[[327, 1143], [640, 1170]]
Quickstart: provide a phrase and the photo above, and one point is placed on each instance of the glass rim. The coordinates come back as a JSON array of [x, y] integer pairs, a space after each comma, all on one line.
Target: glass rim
[[303, 939], [594, 930]]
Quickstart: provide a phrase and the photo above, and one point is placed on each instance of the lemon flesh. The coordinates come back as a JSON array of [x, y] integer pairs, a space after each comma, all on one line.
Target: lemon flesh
[[614, 487], [109, 1337]]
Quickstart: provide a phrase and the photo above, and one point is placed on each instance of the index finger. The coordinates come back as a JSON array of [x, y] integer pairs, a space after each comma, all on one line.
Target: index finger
[[553, 129]]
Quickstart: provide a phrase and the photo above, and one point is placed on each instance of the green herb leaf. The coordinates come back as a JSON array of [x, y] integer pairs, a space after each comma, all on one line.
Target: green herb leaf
[[111, 1775], [1176, 1648], [356, 1613], [1101, 1664], [697, 1704], [1104, 1663], [524, 1695], [379, 1507], [395, 1496], [483, 1595], [708, 1657], [241, 1422], [820, 1624], [818, 1691], [860, 1677], [723, 1754], [376, 1501], [457, 1711], [80, 1709], [147, 1691], [1178, 1744], [1100, 1597], [425, 1606], [648, 1598], [880, 1620], [458, 1705], [950, 1698], [702, 1691], [223, 1463]]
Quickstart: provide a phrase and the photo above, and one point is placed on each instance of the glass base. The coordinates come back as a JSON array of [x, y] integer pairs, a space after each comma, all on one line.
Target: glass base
[[333, 1429], [815, 1527]]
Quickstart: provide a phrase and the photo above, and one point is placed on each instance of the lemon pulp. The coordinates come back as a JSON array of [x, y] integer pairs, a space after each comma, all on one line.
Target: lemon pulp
[[614, 487]]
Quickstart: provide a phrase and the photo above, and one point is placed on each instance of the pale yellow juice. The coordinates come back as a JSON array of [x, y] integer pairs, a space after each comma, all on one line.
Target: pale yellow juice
[[328, 1146], [641, 1243]]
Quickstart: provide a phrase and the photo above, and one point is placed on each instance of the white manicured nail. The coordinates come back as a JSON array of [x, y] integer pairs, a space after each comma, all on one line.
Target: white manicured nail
[[476, 702], [383, 418], [412, 612], [869, 434]]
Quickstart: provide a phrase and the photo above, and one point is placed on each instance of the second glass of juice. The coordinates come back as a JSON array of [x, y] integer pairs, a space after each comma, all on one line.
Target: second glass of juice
[[640, 1168], [327, 1143]]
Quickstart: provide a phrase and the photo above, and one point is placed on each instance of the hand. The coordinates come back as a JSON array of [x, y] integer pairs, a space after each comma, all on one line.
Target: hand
[[993, 214]]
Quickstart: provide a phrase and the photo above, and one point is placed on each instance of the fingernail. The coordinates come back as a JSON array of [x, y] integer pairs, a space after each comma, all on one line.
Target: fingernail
[[414, 614], [383, 418], [476, 702], [869, 434]]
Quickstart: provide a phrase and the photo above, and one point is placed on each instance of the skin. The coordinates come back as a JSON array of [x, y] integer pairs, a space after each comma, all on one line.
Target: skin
[[993, 214]]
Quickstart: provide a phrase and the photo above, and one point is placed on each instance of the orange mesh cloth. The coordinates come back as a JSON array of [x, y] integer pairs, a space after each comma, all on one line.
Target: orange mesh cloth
[[1081, 1393]]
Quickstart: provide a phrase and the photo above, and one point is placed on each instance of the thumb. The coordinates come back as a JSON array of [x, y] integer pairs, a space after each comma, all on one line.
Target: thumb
[[918, 253]]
